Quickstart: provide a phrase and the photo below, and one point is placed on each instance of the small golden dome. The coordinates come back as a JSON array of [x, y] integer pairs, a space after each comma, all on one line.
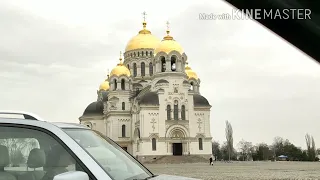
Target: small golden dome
[[120, 69], [104, 85], [190, 73], [143, 40], [168, 44]]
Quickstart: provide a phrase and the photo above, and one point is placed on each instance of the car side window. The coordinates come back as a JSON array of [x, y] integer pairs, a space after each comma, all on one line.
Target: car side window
[[27, 153]]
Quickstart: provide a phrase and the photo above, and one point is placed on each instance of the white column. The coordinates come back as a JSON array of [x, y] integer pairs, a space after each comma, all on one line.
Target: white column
[[138, 69], [119, 84], [179, 66], [168, 65]]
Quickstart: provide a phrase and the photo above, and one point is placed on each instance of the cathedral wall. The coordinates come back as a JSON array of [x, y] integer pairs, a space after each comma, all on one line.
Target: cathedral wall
[[100, 126], [146, 148], [149, 122], [116, 123], [207, 148], [95, 124], [199, 123], [116, 99]]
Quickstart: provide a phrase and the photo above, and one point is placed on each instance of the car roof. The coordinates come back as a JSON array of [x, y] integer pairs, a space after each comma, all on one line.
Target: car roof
[[70, 125], [41, 123]]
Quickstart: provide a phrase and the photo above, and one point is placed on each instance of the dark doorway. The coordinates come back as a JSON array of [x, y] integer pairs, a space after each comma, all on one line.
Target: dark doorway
[[177, 149], [125, 148]]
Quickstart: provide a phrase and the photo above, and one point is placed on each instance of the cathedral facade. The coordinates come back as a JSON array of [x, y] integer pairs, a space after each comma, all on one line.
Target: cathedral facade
[[150, 104]]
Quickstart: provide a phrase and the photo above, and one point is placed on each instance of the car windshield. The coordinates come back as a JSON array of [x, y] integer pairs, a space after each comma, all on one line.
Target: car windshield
[[117, 163]]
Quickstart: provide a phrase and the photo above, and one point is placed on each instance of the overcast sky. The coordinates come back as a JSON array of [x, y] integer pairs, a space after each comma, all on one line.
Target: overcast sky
[[54, 55]]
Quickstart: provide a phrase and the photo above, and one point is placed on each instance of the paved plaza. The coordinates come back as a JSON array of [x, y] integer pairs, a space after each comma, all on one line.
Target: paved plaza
[[242, 170]]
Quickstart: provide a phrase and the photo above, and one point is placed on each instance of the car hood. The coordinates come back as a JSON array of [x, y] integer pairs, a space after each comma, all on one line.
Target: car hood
[[170, 177]]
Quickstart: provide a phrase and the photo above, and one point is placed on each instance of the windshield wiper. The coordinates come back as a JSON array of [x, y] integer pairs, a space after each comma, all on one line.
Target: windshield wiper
[[147, 177]]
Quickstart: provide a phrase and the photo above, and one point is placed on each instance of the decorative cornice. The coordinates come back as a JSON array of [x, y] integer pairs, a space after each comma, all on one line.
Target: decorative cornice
[[168, 74], [199, 114], [91, 117], [184, 140], [149, 107], [202, 108], [153, 114], [124, 120], [172, 122]]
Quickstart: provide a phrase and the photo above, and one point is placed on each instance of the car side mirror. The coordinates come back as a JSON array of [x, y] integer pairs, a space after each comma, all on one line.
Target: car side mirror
[[72, 175]]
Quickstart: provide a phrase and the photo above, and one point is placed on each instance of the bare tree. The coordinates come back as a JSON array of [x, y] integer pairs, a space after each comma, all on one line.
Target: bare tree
[[216, 149], [277, 146], [311, 147], [245, 148], [229, 137]]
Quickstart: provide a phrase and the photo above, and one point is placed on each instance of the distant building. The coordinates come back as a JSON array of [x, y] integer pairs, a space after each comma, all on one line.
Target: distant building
[[151, 102]]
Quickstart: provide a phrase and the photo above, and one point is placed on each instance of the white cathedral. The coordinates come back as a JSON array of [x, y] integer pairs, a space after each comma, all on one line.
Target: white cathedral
[[150, 104]]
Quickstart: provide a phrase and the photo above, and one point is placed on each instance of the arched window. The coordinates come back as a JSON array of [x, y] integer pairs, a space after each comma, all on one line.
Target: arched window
[[134, 69], [123, 84], [163, 64], [123, 105], [150, 69], [183, 112], [128, 66], [146, 53], [138, 54], [175, 110], [191, 85], [154, 144], [200, 144], [143, 69], [168, 112], [173, 64], [123, 130], [115, 83]]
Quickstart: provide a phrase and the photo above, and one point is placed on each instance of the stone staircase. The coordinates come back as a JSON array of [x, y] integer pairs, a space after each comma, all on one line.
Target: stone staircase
[[178, 160]]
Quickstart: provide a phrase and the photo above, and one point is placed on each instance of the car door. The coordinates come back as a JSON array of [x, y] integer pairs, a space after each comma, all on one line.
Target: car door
[[29, 152]]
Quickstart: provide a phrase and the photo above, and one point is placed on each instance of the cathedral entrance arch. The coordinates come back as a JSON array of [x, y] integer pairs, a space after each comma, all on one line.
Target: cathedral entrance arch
[[177, 137]]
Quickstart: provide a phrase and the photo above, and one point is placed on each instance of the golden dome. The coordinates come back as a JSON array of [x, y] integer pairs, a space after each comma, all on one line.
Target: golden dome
[[104, 85], [143, 40], [120, 69], [190, 73], [168, 44]]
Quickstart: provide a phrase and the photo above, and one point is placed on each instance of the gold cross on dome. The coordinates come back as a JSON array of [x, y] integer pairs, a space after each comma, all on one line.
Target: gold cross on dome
[[168, 25], [120, 54], [144, 15]]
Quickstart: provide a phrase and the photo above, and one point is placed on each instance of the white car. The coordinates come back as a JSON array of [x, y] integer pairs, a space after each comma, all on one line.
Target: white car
[[32, 149]]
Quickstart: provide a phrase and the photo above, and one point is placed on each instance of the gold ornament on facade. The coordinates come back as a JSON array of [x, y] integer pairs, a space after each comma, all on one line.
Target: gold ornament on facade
[[168, 44], [144, 40], [190, 73], [120, 69]]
